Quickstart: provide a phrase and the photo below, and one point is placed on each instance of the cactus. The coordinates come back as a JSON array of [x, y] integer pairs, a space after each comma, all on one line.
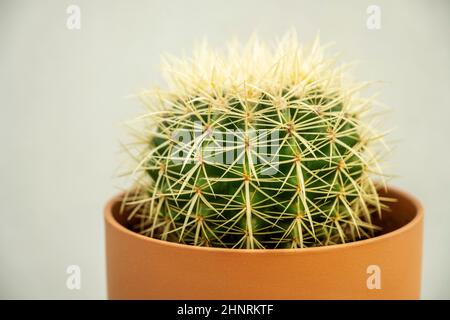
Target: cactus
[[257, 148]]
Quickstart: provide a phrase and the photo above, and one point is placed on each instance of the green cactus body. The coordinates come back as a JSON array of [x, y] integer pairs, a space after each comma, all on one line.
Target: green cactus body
[[259, 148]]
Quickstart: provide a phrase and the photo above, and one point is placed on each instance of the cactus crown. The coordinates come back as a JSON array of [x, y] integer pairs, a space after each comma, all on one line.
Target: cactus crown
[[256, 148]]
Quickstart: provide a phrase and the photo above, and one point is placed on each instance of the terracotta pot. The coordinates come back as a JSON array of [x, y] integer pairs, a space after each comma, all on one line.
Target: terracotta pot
[[384, 267]]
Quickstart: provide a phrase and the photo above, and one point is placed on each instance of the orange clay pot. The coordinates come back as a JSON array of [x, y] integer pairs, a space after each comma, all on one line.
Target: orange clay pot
[[384, 267]]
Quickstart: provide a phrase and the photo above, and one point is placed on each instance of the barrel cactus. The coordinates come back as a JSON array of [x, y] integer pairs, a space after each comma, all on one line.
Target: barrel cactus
[[256, 147]]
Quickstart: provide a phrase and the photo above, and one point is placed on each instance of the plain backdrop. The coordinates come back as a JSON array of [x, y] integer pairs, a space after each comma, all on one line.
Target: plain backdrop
[[64, 94]]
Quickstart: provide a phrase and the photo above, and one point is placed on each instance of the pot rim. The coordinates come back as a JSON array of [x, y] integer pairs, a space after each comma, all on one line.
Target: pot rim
[[110, 220]]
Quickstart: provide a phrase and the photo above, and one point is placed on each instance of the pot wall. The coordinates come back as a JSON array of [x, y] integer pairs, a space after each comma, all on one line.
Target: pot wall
[[143, 268]]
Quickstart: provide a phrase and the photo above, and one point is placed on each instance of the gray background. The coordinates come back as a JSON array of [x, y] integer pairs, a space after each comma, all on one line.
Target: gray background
[[64, 95]]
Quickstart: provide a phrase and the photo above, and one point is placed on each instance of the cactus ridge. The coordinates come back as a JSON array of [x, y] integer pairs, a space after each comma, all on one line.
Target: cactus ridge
[[275, 151]]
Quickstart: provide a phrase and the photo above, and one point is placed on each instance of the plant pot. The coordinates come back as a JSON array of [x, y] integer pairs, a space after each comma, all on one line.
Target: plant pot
[[384, 267]]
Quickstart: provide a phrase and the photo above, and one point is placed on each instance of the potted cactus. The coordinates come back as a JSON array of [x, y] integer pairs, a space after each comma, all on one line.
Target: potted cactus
[[257, 177]]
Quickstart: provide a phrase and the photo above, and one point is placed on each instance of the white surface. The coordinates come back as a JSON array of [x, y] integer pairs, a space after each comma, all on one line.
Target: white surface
[[62, 98]]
